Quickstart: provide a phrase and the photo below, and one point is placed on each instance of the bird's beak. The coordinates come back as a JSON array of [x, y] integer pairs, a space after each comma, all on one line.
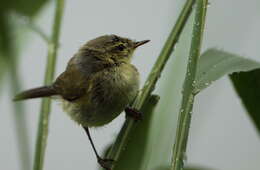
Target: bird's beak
[[139, 43]]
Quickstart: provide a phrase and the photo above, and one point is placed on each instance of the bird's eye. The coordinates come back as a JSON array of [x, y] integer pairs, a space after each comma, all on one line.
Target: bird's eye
[[120, 47]]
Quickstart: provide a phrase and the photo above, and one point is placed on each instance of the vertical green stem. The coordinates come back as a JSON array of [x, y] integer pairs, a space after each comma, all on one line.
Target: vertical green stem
[[9, 58], [46, 103], [20, 122], [154, 75], [188, 96]]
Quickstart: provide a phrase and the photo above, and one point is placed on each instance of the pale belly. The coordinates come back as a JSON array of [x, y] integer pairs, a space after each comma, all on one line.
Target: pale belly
[[110, 94]]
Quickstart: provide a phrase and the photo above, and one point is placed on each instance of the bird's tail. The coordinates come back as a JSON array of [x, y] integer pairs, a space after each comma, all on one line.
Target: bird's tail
[[43, 91]]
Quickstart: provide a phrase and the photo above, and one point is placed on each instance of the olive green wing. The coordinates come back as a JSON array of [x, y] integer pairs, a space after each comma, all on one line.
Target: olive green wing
[[73, 83]]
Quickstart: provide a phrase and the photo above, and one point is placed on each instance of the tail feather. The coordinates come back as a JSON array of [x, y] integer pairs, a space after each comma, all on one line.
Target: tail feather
[[43, 91]]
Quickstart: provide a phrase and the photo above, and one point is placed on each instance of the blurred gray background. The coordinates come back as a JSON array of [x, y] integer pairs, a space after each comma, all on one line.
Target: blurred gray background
[[222, 136]]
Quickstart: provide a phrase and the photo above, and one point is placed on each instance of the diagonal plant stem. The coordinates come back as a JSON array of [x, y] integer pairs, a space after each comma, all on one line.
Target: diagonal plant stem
[[141, 138], [25, 20], [181, 139], [149, 85], [46, 103], [37, 30]]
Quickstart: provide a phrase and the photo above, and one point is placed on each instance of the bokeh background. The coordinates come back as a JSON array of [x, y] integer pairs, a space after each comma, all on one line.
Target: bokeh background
[[222, 136]]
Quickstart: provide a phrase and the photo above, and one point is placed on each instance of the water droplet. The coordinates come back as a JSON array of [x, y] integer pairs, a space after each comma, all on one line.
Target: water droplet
[[194, 83], [209, 3]]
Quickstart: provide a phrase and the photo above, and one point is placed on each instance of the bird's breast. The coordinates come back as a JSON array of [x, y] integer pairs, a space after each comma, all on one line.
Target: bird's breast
[[116, 84], [109, 92]]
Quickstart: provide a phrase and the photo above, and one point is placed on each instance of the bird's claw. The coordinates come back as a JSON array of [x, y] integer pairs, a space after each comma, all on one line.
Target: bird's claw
[[105, 163], [134, 113]]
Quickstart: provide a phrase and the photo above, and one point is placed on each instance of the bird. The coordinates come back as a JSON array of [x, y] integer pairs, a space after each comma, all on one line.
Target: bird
[[98, 83]]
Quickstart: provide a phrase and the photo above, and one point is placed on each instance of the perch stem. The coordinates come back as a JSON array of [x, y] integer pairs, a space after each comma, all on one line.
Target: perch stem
[[49, 74], [184, 119]]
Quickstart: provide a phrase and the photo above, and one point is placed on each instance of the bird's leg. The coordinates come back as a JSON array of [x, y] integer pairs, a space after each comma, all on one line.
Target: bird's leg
[[105, 163], [134, 113]]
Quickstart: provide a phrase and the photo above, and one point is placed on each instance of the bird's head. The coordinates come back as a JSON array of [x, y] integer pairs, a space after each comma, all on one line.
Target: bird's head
[[113, 47]]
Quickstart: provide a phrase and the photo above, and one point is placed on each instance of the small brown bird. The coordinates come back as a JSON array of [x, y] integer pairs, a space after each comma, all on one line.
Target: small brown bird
[[97, 85]]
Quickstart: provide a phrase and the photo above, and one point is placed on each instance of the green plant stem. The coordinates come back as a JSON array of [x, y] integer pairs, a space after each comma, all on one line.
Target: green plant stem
[[8, 59], [37, 30], [20, 123], [188, 86], [46, 103], [132, 156], [149, 85]]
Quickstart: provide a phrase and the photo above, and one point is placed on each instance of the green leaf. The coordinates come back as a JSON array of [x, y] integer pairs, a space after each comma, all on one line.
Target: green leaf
[[245, 76], [214, 64], [24, 7], [247, 85], [5, 37], [7, 28], [6, 52]]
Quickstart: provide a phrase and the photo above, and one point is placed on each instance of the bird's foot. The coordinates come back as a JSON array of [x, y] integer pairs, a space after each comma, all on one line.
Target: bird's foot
[[134, 113], [105, 163]]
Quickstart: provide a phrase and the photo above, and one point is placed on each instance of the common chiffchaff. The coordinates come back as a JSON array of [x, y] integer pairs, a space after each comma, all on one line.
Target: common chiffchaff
[[98, 83]]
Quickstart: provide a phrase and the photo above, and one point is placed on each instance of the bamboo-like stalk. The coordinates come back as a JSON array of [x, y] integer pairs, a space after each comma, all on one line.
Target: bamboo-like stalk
[[20, 123], [188, 86], [149, 85], [46, 103]]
